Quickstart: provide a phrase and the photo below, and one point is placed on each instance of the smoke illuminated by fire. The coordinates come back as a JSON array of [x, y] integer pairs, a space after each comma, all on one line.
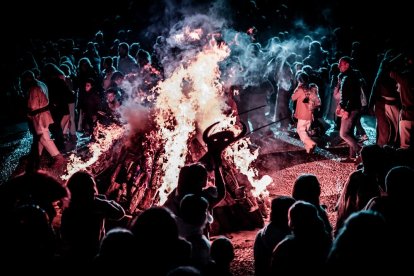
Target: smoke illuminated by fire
[[192, 97], [189, 34]]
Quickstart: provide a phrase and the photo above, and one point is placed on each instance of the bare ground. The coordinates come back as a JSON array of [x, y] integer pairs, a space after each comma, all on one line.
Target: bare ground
[[284, 166]]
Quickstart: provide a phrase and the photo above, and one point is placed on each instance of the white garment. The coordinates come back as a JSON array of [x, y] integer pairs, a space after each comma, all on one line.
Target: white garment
[[302, 129], [47, 143], [68, 121], [38, 98]]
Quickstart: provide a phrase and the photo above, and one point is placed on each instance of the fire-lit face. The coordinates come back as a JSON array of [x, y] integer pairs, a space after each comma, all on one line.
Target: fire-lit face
[[343, 65], [110, 97], [88, 87]]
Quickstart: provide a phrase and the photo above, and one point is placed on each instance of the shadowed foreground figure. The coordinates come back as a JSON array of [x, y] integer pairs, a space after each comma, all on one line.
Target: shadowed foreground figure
[[192, 179], [306, 249], [362, 184], [194, 217], [362, 242], [26, 233], [397, 208], [38, 188], [83, 221], [222, 254], [117, 247], [308, 188], [268, 237], [159, 248]]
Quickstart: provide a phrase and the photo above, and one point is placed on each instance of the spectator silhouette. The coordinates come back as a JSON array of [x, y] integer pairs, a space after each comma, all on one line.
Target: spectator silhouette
[[193, 218], [83, 221], [269, 236], [222, 254], [308, 188], [116, 252], [159, 248], [397, 208], [362, 242], [192, 179], [362, 184], [306, 249]]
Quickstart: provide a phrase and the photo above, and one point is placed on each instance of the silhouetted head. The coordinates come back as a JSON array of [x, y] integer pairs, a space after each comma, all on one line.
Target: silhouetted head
[[363, 241], [304, 218], [302, 77], [372, 157], [307, 188], [279, 209], [344, 63], [123, 49], [27, 79], [155, 225], [117, 242], [222, 250], [398, 182], [315, 48], [82, 187], [192, 179], [194, 210], [38, 188]]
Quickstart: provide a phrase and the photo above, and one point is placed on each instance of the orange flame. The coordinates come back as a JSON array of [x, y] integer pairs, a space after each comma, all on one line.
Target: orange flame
[[189, 35], [191, 99], [242, 157], [105, 137]]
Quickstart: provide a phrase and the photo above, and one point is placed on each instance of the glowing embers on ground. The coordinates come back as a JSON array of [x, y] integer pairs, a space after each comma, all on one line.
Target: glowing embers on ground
[[105, 136]]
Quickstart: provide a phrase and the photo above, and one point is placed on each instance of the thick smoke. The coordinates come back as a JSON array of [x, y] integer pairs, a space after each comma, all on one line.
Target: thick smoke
[[187, 30]]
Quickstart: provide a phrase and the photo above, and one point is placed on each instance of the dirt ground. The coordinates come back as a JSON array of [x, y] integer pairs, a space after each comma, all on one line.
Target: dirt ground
[[284, 166], [281, 156]]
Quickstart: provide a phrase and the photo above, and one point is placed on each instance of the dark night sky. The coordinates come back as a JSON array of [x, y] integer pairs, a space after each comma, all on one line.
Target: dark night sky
[[76, 18], [39, 18]]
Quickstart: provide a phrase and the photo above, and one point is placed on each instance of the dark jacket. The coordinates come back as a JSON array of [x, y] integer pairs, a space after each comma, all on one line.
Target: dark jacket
[[350, 88]]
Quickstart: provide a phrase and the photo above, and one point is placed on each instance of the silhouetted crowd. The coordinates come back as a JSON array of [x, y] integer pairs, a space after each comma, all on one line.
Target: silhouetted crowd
[[66, 88]]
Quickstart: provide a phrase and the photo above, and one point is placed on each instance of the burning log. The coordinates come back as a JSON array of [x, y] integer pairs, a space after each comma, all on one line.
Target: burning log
[[189, 98], [135, 182]]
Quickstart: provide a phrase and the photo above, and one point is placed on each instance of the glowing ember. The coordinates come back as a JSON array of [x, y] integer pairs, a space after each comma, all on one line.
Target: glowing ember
[[105, 137], [189, 35]]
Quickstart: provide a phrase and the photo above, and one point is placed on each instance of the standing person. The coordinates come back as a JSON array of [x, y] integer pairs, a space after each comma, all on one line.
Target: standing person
[[404, 78], [385, 101], [39, 119], [126, 63], [59, 97], [89, 105], [302, 111], [350, 105], [68, 121]]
